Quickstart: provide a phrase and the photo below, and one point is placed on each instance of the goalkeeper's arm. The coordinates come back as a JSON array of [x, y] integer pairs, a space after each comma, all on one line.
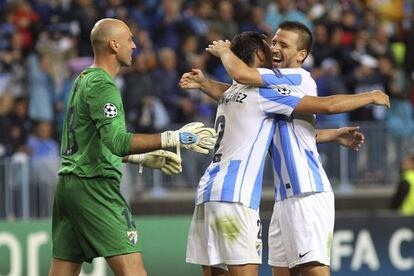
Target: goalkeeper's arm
[[193, 136]]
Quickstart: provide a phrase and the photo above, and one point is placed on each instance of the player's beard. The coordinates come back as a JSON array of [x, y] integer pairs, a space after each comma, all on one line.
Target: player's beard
[[125, 61]]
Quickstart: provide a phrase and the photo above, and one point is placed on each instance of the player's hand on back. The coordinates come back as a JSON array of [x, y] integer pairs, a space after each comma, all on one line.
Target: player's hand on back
[[193, 136], [167, 161], [192, 80], [380, 98], [218, 47], [350, 137]]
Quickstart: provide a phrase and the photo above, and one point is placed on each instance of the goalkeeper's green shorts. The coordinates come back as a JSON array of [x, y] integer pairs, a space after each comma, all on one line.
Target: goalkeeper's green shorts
[[91, 219]]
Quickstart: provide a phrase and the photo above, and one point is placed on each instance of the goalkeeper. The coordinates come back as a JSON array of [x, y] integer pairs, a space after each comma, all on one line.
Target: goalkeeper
[[90, 217]]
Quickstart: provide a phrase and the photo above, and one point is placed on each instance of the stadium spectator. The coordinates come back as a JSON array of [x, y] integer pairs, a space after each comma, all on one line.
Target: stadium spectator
[[41, 86], [23, 123], [26, 21], [322, 48], [41, 145], [189, 49], [199, 17], [44, 153], [144, 110], [225, 22], [331, 82], [314, 9], [365, 78], [114, 9], [12, 69], [349, 26], [255, 21], [9, 130], [84, 14], [284, 10], [170, 26], [167, 78]]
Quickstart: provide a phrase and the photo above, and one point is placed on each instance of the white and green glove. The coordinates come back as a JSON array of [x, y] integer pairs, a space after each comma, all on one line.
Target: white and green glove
[[193, 136], [167, 161]]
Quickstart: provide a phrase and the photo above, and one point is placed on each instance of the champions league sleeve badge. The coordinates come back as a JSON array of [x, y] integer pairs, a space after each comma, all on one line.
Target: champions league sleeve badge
[[110, 110]]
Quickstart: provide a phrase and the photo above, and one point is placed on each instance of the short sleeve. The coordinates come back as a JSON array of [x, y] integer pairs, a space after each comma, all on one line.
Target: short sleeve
[[279, 94]]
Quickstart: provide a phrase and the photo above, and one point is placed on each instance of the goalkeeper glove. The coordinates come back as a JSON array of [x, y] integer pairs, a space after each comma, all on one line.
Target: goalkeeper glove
[[193, 136], [167, 161]]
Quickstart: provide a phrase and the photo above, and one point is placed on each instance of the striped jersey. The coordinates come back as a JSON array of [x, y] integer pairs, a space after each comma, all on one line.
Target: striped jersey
[[245, 125], [295, 158]]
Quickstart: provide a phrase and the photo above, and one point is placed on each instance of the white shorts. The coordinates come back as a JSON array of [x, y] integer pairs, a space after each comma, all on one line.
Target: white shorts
[[301, 230], [224, 233]]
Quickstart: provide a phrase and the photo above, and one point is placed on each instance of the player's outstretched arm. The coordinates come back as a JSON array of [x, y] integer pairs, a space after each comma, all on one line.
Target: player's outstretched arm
[[236, 68], [341, 103], [345, 136], [196, 80], [193, 136], [166, 161]]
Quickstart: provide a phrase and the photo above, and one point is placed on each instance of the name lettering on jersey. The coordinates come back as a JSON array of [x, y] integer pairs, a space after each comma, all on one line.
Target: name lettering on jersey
[[237, 97]]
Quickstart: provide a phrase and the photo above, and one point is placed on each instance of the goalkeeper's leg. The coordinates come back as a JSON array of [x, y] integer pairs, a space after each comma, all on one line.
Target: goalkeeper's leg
[[127, 264], [64, 268]]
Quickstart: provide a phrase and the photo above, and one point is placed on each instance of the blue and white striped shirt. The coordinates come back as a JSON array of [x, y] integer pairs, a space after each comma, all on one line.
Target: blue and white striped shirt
[[245, 123], [296, 161]]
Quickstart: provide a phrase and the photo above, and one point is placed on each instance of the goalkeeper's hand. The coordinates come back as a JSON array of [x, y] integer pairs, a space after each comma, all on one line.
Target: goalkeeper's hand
[[167, 161], [193, 136]]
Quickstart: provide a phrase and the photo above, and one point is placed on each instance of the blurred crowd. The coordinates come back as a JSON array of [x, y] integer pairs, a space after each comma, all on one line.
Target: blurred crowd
[[44, 44]]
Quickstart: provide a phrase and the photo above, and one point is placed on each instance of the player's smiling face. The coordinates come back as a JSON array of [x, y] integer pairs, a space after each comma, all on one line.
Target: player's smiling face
[[285, 50], [127, 45]]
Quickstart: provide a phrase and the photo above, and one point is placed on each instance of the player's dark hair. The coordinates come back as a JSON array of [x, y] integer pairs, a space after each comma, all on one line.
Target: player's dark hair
[[245, 45], [305, 40]]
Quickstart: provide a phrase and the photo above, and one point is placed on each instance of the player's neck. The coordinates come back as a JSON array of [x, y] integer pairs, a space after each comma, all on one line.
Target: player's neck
[[109, 66]]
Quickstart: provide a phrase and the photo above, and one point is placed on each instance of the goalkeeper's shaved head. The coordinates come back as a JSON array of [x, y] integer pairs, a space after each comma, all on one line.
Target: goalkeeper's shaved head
[[106, 30]]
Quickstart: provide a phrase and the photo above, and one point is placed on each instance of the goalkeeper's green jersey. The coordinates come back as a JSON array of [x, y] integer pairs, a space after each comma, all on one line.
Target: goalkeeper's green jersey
[[94, 137]]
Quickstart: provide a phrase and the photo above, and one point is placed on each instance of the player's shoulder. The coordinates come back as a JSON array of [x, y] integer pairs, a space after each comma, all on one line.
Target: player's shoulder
[[263, 71], [305, 76], [298, 71], [97, 76]]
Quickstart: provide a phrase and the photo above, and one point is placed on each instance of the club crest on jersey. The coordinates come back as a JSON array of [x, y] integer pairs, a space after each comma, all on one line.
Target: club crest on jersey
[[132, 237], [110, 110], [284, 91]]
